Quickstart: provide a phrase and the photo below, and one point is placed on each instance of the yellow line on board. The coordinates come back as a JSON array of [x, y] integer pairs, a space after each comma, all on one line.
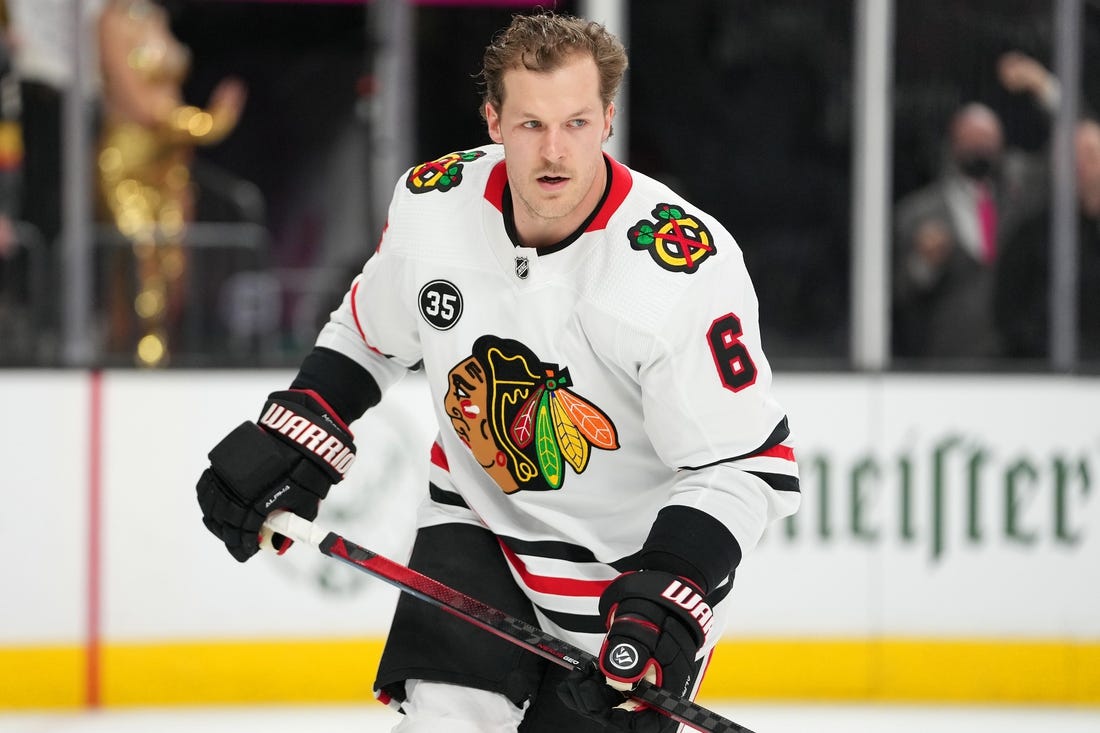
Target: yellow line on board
[[342, 670]]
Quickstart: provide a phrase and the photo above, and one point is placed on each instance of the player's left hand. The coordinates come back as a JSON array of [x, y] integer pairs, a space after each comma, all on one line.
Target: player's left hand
[[656, 623]]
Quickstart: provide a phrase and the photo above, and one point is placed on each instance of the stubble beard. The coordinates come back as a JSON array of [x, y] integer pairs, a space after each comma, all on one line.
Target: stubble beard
[[550, 209]]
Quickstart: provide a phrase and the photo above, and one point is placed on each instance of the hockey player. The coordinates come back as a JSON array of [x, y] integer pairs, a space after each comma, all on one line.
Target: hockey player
[[608, 446]]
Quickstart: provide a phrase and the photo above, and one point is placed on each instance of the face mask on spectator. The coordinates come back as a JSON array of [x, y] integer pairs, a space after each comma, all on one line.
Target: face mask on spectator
[[977, 165]]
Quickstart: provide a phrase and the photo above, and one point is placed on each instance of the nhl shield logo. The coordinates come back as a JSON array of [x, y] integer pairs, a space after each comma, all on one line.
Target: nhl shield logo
[[523, 268]]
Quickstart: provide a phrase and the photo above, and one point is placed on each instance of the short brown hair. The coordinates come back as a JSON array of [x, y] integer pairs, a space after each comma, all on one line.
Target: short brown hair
[[543, 42]]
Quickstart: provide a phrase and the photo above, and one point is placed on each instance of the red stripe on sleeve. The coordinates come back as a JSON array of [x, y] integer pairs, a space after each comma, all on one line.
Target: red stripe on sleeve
[[776, 451], [355, 315], [355, 309]]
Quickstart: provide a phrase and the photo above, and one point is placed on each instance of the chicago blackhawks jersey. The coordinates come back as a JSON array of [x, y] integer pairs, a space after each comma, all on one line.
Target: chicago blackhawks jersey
[[579, 389]]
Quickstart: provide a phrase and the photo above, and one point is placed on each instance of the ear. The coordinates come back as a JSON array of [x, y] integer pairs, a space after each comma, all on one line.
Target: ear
[[608, 117], [492, 119]]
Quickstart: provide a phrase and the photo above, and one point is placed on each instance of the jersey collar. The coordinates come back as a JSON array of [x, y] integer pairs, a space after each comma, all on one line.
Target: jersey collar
[[619, 183]]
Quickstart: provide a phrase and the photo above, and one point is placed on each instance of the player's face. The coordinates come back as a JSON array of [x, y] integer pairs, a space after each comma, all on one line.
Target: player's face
[[553, 125]]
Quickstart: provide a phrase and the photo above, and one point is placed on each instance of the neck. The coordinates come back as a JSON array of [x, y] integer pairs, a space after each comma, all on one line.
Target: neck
[[537, 232]]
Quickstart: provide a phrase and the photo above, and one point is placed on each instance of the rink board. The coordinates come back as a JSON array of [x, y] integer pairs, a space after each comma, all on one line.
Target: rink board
[[946, 549]]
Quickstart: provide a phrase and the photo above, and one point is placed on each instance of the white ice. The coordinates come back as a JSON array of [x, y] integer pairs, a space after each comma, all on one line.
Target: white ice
[[373, 718]]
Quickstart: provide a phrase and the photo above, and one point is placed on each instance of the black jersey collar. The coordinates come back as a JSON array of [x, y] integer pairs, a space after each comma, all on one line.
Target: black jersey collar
[[618, 185]]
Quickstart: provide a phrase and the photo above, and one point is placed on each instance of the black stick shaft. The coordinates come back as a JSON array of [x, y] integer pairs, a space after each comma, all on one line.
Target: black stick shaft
[[514, 630]]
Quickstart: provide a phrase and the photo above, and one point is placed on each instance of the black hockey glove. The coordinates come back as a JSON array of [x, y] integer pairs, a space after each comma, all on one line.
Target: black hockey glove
[[289, 460], [656, 625]]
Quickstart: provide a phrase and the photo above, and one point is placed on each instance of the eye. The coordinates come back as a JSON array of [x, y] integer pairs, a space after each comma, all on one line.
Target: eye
[[578, 123], [531, 124]]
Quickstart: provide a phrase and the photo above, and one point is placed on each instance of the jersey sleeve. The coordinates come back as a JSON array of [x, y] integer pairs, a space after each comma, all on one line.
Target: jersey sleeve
[[709, 407], [375, 324]]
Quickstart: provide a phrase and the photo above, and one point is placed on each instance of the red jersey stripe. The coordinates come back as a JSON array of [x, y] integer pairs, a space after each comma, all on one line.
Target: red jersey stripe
[[439, 458], [554, 585], [776, 451], [355, 309], [355, 315]]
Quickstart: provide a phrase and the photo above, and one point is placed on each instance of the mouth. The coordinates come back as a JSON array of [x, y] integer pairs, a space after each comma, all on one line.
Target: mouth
[[552, 181]]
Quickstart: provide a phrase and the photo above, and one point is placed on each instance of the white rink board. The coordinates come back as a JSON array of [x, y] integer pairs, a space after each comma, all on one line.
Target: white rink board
[[937, 562], [199, 590], [1001, 555], [44, 460]]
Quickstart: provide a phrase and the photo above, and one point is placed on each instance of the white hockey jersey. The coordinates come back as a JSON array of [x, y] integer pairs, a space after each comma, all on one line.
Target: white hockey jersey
[[578, 389]]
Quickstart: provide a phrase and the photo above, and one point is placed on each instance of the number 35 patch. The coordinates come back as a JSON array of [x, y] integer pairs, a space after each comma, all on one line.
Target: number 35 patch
[[440, 304]]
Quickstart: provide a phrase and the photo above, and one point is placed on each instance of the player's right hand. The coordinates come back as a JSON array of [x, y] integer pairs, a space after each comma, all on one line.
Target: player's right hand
[[288, 460], [656, 624]]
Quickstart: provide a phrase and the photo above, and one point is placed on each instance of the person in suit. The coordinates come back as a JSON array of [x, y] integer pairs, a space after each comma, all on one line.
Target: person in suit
[[1022, 288], [947, 237]]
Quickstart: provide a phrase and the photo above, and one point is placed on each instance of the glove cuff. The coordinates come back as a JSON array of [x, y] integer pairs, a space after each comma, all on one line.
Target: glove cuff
[[303, 421], [677, 595]]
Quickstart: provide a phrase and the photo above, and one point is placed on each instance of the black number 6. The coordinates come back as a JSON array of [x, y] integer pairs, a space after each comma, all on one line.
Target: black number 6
[[735, 366]]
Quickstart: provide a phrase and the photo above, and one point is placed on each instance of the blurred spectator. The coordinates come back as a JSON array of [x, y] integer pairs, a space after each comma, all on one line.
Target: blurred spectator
[[14, 267], [1021, 74], [947, 237], [145, 153], [11, 141], [746, 111], [1022, 291], [41, 38]]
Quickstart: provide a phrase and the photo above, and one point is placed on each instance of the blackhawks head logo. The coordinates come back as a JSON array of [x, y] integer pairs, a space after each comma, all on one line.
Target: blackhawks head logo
[[677, 241], [521, 418], [441, 174]]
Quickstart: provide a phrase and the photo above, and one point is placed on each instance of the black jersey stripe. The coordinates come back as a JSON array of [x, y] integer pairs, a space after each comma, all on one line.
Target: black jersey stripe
[[594, 624], [781, 432], [553, 549], [778, 481], [576, 622], [566, 551], [442, 496]]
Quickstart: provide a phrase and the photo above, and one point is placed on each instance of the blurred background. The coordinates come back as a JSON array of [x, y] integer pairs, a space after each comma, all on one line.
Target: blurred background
[[187, 188], [819, 131]]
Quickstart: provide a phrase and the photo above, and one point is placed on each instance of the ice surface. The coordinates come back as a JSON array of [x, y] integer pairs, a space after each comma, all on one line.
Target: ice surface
[[373, 718]]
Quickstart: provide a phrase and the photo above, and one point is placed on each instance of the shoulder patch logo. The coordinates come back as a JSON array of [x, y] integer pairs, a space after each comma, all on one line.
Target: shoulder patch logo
[[440, 304], [677, 241], [520, 417], [441, 174]]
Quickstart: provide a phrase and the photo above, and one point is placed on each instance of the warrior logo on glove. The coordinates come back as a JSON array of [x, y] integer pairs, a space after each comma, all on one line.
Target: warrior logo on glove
[[287, 460], [624, 656], [689, 599], [281, 419]]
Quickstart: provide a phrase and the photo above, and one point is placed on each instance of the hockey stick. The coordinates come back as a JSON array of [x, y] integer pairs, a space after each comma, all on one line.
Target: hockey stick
[[507, 627]]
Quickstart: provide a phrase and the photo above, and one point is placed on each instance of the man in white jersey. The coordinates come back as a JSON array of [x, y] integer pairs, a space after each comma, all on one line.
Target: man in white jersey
[[609, 447]]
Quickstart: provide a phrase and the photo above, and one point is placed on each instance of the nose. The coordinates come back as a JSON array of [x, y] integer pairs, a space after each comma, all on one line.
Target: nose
[[553, 145]]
